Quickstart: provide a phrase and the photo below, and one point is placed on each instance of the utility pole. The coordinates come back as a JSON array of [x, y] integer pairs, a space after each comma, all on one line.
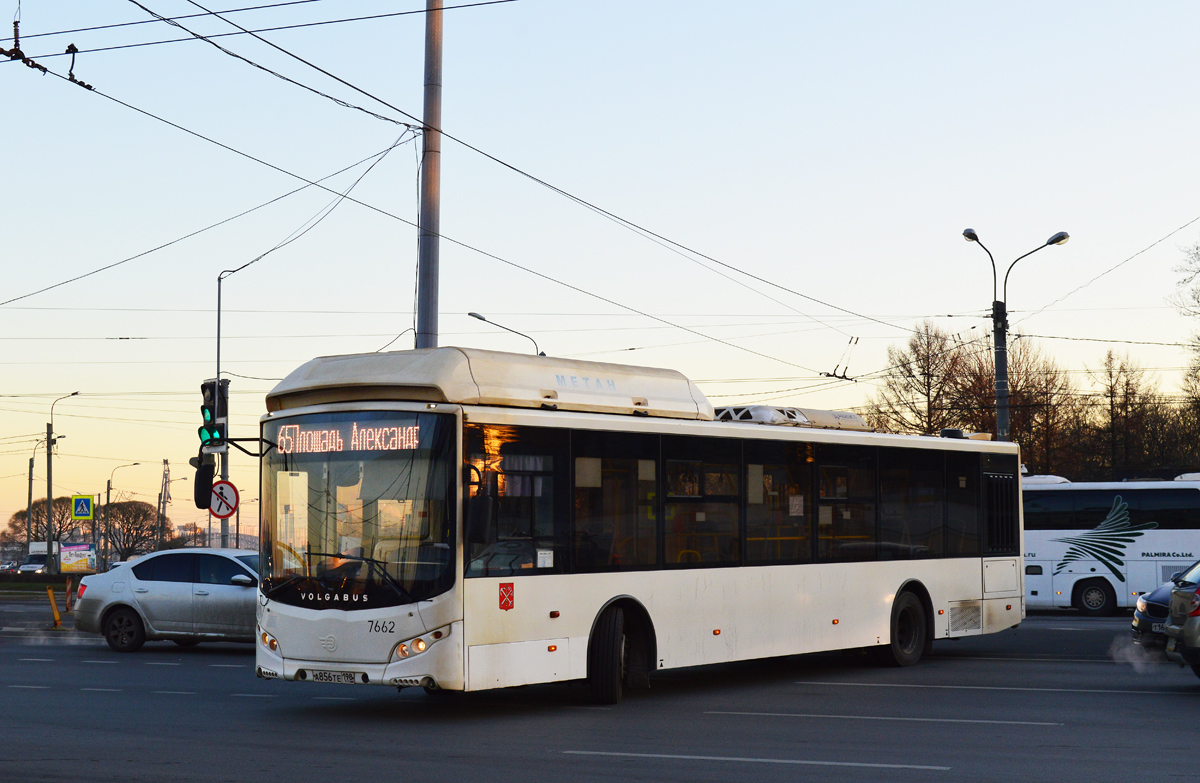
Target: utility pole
[[431, 182], [50, 565], [29, 509]]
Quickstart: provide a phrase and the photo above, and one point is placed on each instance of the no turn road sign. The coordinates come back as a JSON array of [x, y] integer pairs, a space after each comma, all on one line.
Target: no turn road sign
[[224, 500]]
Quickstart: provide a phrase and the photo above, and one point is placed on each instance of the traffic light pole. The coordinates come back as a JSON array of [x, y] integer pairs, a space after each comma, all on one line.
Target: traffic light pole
[[222, 413]]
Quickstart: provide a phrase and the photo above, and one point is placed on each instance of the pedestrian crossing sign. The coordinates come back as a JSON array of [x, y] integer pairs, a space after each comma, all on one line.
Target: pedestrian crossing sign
[[81, 507]]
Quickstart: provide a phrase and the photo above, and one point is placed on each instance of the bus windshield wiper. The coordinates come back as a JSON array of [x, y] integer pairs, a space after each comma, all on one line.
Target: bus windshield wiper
[[275, 588], [378, 566]]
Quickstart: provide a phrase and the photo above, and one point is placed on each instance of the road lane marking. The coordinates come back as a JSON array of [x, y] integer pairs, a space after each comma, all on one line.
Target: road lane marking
[[102, 690], [97, 661], [160, 663], [255, 695], [176, 693], [1015, 659], [31, 687], [745, 760], [39, 660], [984, 688], [882, 717]]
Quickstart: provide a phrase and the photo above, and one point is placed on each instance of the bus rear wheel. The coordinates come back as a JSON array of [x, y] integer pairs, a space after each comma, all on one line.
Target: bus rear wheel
[[909, 633], [1096, 598], [607, 657]]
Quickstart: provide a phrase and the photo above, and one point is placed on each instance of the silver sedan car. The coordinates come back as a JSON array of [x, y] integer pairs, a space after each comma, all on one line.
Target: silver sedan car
[[183, 595]]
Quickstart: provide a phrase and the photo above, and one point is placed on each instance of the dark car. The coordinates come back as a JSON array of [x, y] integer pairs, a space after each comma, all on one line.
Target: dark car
[[1150, 616]]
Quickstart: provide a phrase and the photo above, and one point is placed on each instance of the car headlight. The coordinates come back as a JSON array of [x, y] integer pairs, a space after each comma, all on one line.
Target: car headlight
[[1141, 603]]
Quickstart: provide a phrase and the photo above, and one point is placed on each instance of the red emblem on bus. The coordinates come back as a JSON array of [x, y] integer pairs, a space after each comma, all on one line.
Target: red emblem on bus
[[507, 595]]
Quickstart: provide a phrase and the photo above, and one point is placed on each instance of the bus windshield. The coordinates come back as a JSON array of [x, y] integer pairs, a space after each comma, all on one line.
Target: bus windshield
[[358, 509]]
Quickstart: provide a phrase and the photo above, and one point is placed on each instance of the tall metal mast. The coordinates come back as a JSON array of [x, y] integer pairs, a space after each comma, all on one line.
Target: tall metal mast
[[431, 182]]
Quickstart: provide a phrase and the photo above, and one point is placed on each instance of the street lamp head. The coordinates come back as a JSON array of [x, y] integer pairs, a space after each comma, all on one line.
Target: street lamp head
[[970, 235], [1058, 239], [478, 316]]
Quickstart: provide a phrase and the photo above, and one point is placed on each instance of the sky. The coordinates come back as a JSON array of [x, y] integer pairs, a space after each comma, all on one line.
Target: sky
[[790, 181]]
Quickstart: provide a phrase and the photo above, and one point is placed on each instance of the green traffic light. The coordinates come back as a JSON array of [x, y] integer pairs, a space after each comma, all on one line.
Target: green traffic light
[[206, 412]]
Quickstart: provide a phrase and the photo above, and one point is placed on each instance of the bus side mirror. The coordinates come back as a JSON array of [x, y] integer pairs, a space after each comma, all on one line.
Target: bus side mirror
[[480, 509]]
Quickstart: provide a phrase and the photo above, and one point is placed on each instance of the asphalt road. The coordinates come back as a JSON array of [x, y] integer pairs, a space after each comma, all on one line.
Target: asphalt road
[[1061, 698]]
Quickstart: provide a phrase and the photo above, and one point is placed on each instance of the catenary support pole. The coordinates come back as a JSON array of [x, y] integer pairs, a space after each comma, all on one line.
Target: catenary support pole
[[431, 180]]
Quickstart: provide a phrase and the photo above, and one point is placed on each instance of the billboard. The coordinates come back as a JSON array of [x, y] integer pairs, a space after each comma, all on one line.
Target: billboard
[[77, 559]]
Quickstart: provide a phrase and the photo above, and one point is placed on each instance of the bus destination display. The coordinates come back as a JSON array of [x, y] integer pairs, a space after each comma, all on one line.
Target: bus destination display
[[348, 436]]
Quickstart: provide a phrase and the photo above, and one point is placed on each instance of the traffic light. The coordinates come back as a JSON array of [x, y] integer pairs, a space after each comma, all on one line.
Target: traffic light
[[214, 411], [205, 465]]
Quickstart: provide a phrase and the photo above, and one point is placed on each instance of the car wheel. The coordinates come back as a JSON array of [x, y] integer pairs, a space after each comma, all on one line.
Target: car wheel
[[123, 631], [909, 633], [1096, 598], [187, 642], [606, 657]]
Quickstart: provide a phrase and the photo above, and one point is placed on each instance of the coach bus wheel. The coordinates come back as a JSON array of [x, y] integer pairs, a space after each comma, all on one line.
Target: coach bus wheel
[[1096, 598], [123, 631], [606, 657], [909, 632]]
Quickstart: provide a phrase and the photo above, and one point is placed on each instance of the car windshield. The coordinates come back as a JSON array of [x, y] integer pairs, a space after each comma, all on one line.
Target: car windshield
[[250, 560], [358, 509], [35, 560]]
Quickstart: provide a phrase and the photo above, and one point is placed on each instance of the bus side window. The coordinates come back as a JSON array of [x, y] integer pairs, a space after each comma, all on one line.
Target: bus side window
[[912, 504], [616, 491], [779, 502], [519, 468], [962, 504], [702, 482], [1049, 510], [846, 525]]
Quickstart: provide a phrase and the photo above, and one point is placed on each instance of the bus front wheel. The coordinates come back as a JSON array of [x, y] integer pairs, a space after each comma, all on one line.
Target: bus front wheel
[[910, 632], [1096, 598], [606, 657]]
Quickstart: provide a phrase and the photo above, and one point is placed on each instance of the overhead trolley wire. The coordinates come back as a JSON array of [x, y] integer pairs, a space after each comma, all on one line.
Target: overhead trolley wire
[[582, 202], [393, 216], [296, 26]]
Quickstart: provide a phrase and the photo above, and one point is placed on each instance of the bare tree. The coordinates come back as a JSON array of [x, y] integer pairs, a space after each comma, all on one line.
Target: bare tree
[[65, 528], [919, 384], [1045, 405], [132, 528]]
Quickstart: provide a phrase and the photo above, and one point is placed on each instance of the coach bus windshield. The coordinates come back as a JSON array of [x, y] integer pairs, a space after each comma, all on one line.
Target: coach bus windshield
[[357, 509]]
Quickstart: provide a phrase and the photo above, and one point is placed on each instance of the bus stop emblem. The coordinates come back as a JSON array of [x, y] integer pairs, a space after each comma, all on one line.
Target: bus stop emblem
[[507, 595]]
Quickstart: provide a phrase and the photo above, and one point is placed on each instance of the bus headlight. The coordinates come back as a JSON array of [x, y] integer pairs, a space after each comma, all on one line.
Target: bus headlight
[[268, 641], [410, 647]]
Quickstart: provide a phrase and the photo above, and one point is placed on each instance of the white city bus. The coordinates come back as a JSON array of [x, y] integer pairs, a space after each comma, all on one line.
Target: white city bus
[[1098, 546], [462, 519]]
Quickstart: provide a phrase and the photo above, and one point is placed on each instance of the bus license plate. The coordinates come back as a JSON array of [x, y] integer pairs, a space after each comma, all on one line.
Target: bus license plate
[[1156, 627], [342, 678]]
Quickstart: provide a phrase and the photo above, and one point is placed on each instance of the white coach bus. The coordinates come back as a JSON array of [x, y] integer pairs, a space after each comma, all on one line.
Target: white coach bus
[[1098, 546], [463, 519]]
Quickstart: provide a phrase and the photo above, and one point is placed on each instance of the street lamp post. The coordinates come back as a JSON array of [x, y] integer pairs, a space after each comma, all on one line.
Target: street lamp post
[[505, 328], [1000, 326], [51, 564], [29, 504], [108, 511]]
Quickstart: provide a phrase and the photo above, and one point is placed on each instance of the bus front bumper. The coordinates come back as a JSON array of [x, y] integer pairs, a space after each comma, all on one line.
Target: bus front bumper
[[441, 666]]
